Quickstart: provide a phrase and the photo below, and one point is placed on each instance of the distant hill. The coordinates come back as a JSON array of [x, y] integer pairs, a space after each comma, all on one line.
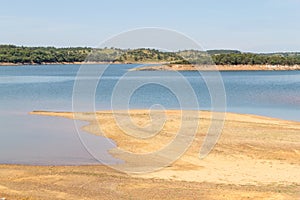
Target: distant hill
[[41, 55], [222, 51], [147, 55]]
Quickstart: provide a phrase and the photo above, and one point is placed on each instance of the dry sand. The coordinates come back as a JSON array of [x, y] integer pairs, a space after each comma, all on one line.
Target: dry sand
[[178, 67], [255, 158]]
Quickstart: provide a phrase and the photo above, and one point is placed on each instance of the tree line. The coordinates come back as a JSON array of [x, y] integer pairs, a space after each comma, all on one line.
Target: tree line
[[40, 55], [256, 59]]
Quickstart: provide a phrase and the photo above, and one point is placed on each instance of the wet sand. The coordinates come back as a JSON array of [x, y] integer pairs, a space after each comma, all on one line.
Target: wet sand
[[255, 158]]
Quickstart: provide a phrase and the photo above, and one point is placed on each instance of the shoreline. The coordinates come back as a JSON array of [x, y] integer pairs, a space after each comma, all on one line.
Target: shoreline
[[180, 67], [175, 67], [58, 63], [255, 158], [75, 63], [250, 128]]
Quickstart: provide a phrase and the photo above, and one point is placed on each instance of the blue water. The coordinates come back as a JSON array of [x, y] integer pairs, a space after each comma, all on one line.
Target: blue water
[[29, 139]]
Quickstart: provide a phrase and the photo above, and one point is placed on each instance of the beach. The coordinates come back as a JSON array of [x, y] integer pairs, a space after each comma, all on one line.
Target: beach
[[106, 100], [255, 158], [156, 66], [180, 67]]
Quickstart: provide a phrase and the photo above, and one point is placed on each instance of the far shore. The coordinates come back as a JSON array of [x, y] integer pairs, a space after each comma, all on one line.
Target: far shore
[[183, 67], [176, 67], [75, 63]]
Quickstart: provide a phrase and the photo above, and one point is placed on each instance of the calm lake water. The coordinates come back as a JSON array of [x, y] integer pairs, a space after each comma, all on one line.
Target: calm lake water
[[29, 139]]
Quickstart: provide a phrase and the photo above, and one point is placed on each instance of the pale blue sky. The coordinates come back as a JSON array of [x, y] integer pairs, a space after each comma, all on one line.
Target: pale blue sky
[[247, 25]]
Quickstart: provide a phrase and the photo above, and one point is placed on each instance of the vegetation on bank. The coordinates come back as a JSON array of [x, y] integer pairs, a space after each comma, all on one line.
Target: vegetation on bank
[[40, 55], [257, 59]]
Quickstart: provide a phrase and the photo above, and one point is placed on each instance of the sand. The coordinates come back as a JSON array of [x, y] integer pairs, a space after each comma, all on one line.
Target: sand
[[178, 67], [255, 158]]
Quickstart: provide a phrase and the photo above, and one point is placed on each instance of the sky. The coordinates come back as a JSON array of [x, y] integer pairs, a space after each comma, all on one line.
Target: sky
[[246, 25]]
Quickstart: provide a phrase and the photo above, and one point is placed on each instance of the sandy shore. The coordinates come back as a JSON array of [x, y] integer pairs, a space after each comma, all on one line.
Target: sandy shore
[[176, 67], [255, 158]]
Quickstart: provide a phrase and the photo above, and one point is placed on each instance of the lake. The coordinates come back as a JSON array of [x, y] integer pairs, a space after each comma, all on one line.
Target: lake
[[30, 139]]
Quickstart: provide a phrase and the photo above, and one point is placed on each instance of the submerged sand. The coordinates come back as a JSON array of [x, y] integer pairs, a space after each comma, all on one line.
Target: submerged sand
[[255, 158]]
